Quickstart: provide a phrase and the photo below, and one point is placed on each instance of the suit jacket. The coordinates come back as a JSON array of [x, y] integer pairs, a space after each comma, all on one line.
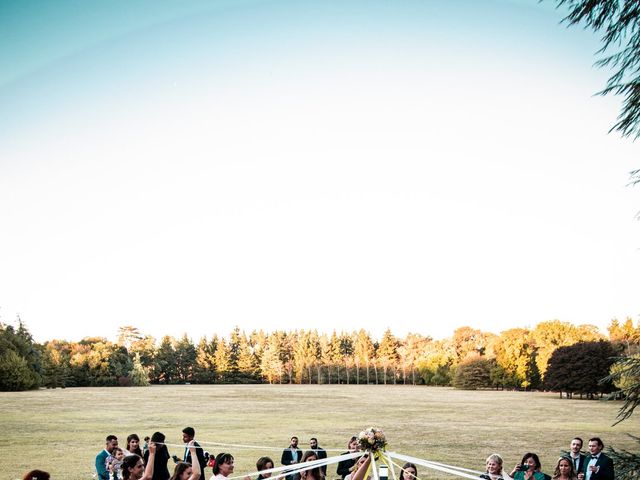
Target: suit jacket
[[581, 459], [321, 453], [344, 466], [605, 472], [101, 466], [199, 454], [287, 456]]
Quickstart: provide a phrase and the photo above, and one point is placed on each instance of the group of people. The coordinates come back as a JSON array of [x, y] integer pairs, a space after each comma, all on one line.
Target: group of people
[[150, 462], [348, 469], [572, 465]]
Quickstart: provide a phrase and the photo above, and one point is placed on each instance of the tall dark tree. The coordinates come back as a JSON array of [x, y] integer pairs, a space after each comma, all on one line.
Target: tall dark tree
[[579, 368]]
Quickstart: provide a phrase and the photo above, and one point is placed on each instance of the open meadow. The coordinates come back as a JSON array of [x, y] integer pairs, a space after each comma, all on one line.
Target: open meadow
[[61, 431]]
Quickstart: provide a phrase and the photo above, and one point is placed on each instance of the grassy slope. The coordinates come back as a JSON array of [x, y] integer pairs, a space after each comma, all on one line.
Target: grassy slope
[[62, 430]]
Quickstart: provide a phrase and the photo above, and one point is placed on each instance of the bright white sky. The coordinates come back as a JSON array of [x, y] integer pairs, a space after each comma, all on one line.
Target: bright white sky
[[418, 165]]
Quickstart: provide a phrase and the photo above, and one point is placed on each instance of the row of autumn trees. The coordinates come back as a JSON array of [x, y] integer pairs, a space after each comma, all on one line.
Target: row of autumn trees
[[517, 358]]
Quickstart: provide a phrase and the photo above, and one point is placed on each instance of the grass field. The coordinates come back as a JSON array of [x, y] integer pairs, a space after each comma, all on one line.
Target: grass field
[[61, 431]]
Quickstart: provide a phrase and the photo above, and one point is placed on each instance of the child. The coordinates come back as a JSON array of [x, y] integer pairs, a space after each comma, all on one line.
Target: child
[[114, 464]]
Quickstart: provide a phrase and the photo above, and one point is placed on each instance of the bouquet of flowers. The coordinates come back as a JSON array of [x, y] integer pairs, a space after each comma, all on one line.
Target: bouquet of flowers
[[372, 439]]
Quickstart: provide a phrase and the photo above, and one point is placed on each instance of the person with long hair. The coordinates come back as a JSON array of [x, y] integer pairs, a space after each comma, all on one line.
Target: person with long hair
[[185, 470], [408, 472], [528, 468], [494, 468], [264, 463], [359, 470], [134, 469], [345, 466], [312, 473], [133, 445], [564, 470], [223, 466]]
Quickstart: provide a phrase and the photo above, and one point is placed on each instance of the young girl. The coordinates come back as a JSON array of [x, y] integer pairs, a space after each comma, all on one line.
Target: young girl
[[114, 464]]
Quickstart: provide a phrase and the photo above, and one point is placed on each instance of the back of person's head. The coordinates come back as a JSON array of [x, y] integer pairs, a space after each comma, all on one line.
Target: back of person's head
[[179, 470], [129, 462], [36, 475], [221, 458], [158, 437], [189, 431], [262, 463]]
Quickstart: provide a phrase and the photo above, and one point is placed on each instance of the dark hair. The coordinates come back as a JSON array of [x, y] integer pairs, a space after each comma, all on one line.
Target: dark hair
[[316, 472], [313, 438], [146, 439], [578, 438], [220, 459], [597, 439], [535, 457], [129, 462], [261, 464], [572, 473], [294, 437], [36, 475], [158, 437], [189, 431], [179, 470], [137, 451], [408, 465], [111, 438], [352, 439]]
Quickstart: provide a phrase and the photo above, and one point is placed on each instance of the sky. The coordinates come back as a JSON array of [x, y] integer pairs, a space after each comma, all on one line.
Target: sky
[[186, 167]]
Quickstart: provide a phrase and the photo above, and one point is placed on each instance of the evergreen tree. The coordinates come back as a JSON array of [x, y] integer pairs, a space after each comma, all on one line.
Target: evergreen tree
[[388, 353], [185, 354], [138, 376], [15, 373], [205, 366]]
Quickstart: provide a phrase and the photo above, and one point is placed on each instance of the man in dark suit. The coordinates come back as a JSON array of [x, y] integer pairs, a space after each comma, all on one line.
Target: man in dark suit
[[188, 434], [597, 466], [577, 457], [291, 455], [101, 458], [320, 453]]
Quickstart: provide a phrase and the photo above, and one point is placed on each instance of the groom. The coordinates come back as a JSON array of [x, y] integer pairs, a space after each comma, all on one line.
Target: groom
[[597, 466]]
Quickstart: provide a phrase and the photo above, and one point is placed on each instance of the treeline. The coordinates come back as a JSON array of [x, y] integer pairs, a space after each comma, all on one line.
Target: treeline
[[518, 358]]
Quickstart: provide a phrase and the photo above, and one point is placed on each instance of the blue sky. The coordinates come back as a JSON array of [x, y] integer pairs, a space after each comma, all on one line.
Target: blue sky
[[191, 166]]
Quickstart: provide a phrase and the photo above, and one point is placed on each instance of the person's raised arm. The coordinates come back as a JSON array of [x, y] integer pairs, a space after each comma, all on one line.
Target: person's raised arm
[[148, 471], [361, 472], [195, 463]]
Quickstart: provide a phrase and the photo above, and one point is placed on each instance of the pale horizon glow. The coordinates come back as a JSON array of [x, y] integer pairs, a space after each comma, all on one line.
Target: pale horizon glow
[[418, 166]]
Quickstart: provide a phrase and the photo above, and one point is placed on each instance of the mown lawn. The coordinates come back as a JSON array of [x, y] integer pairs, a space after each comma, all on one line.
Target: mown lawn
[[61, 431]]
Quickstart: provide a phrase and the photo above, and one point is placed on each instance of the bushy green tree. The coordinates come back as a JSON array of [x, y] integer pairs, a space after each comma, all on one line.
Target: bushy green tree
[[473, 373], [15, 373]]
